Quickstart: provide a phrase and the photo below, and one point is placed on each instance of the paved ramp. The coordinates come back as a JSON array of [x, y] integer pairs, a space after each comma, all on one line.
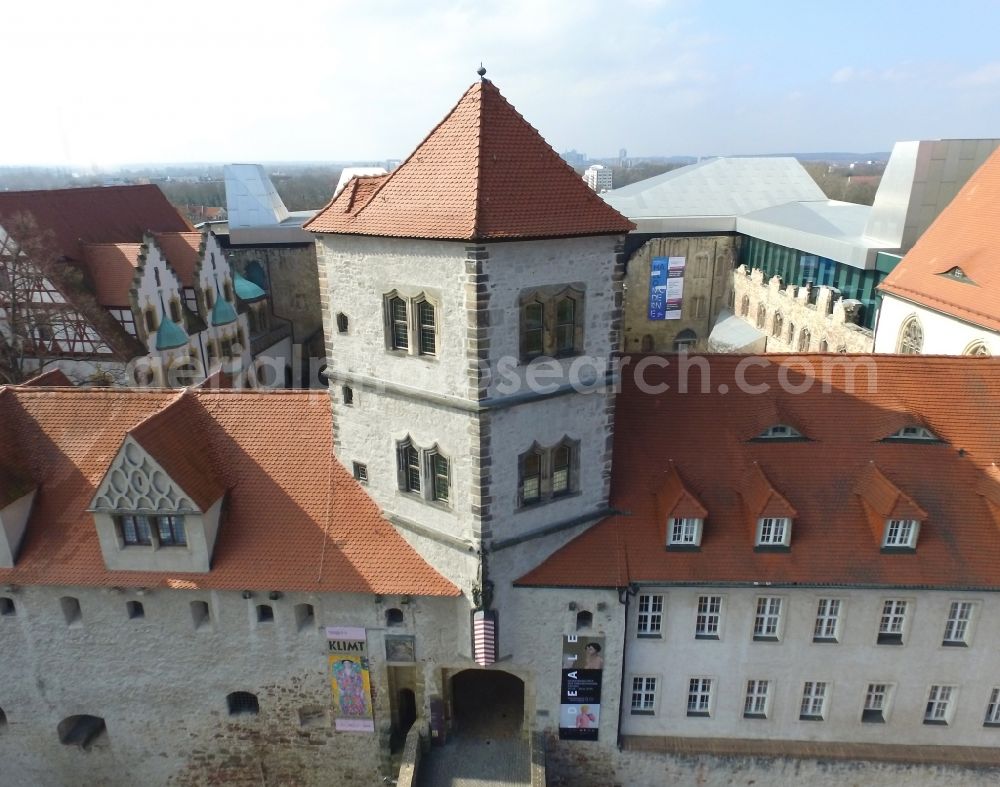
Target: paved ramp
[[477, 762]]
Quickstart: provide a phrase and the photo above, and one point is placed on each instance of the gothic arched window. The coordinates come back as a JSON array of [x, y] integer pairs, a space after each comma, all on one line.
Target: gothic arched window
[[911, 337]]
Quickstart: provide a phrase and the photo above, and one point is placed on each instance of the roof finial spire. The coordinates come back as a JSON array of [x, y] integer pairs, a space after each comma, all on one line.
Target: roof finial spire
[[481, 71]]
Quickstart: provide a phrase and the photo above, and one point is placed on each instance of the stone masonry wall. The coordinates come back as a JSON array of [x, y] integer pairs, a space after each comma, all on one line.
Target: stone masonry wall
[[826, 321]]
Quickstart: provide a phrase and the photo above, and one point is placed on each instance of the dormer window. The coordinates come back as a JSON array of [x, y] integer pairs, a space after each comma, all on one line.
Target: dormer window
[[774, 531], [901, 534], [142, 530], [915, 433], [957, 274], [780, 432], [685, 531]]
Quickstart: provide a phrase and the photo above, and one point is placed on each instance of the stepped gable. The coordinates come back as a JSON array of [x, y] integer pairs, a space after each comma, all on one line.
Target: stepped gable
[[483, 174], [953, 267], [828, 482]]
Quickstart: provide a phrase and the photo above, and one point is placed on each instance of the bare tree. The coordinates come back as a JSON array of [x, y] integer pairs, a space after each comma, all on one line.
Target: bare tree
[[42, 302]]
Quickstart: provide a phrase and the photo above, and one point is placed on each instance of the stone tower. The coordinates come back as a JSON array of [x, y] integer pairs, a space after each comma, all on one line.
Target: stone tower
[[472, 304]]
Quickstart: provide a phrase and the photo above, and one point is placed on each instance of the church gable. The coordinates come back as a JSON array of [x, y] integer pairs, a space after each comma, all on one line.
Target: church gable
[[135, 482]]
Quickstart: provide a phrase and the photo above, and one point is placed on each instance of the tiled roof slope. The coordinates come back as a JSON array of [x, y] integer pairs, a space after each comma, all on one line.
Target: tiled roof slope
[[111, 270], [293, 520], [966, 235], [52, 378], [708, 437], [484, 173], [109, 214], [182, 250]]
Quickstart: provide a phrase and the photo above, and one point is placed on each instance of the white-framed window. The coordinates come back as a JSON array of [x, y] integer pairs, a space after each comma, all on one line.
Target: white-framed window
[[650, 619], [708, 621], [767, 620], [940, 704], [685, 531], [876, 707], [892, 623], [914, 433], [958, 626], [993, 709], [699, 701], [423, 472], [755, 705], [901, 533], [774, 531], [643, 695], [827, 627], [813, 707]]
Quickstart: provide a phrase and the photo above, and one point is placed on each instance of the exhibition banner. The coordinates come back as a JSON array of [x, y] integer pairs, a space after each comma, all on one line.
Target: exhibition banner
[[580, 689], [350, 679], [666, 288]]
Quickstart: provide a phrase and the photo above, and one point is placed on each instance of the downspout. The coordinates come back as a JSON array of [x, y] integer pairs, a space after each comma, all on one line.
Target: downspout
[[621, 694]]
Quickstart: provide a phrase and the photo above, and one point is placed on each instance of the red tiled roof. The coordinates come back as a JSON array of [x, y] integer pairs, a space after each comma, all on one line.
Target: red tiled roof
[[484, 173], [294, 518], [674, 499], [965, 235], [52, 378], [183, 252], [111, 271], [110, 214], [705, 434]]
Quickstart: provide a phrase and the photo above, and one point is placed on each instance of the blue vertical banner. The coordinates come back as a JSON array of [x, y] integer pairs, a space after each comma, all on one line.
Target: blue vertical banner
[[658, 289], [675, 287]]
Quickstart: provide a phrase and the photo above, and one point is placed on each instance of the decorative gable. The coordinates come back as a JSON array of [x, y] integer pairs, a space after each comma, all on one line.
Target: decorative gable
[[135, 483]]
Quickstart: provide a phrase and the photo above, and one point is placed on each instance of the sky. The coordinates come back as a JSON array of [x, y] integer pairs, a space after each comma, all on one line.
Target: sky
[[106, 83]]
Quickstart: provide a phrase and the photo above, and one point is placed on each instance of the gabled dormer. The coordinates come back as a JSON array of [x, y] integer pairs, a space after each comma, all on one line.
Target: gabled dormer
[[158, 506], [770, 515], [988, 488], [894, 517], [17, 493], [682, 515]]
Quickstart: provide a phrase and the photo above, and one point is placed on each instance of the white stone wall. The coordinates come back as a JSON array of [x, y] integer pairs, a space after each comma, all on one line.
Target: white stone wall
[[847, 667], [161, 687], [826, 320], [360, 271], [943, 335]]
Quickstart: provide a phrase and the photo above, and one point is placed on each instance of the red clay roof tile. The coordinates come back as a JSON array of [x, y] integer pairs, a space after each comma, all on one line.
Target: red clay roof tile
[[704, 432], [294, 518], [111, 271], [482, 174], [965, 235]]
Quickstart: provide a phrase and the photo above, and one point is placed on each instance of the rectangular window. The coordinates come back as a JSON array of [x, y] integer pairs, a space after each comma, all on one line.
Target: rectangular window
[[361, 472], [650, 620], [900, 533], [699, 701], [876, 703], [531, 482], [890, 630], [135, 530], [411, 468], [773, 531], [171, 531], [993, 710], [400, 330], [560, 470], [768, 619], [827, 628], [439, 469], [813, 706], [956, 629], [643, 696], [939, 705], [685, 531], [709, 616], [565, 326], [534, 329], [755, 704], [427, 329]]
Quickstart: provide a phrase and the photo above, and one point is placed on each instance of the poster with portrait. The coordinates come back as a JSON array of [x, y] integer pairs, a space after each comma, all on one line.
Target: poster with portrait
[[580, 689], [350, 679], [666, 287]]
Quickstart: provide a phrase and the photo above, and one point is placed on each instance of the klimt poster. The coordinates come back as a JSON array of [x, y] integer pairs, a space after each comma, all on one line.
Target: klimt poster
[[350, 679], [580, 692]]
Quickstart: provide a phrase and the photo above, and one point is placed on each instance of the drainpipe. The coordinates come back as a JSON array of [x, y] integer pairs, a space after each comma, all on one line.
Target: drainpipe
[[623, 597]]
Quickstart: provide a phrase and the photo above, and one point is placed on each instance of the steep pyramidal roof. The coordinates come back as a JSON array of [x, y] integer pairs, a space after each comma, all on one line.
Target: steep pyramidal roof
[[484, 173], [953, 267]]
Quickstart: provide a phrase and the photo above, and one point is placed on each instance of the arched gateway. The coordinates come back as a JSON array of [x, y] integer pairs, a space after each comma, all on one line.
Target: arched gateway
[[487, 703]]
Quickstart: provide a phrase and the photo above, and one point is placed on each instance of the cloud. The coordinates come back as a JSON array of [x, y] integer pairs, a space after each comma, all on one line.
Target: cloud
[[984, 76], [845, 74]]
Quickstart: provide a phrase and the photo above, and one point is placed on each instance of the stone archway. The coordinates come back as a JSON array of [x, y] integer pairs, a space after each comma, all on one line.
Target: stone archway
[[487, 703]]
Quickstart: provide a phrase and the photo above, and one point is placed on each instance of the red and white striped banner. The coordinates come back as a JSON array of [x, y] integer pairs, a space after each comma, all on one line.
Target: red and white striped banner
[[484, 647]]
